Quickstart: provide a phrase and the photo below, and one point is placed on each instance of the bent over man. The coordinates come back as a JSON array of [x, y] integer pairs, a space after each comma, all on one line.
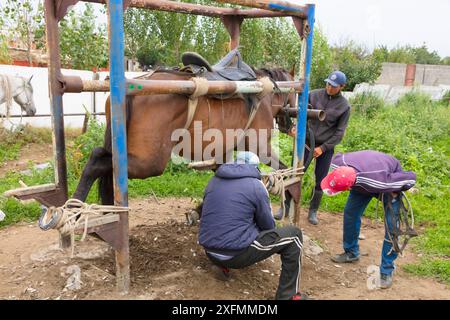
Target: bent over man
[[237, 228], [368, 174]]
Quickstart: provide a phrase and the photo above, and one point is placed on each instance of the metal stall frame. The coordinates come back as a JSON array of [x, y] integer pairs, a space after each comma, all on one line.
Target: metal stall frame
[[116, 233]]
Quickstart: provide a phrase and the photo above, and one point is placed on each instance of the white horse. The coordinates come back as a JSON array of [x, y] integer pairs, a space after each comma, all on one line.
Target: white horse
[[19, 89]]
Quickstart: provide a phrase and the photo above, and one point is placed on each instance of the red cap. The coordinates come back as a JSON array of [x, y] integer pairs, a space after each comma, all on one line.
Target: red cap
[[338, 180]]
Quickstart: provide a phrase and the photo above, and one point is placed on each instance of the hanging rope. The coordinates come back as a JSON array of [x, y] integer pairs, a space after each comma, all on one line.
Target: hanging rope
[[277, 181], [201, 89], [74, 213], [400, 223]]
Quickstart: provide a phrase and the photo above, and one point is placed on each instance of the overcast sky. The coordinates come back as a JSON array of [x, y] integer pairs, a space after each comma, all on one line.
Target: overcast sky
[[388, 22]]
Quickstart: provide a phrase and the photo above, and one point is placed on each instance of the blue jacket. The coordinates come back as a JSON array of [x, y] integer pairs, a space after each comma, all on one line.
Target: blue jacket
[[376, 172], [236, 208]]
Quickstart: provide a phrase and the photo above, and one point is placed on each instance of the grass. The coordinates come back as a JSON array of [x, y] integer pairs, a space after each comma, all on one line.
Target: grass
[[430, 267], [415, 130]]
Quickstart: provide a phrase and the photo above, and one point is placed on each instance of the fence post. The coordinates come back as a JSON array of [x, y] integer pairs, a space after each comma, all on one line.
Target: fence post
[[307, 46], [119, 138]]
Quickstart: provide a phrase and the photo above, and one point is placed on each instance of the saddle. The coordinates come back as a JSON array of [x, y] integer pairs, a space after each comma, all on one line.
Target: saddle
[[231, 67]]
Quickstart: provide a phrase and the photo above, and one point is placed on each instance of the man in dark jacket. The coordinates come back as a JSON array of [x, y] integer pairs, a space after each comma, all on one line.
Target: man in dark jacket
[[368, 174], [327, 134], [237, 228]]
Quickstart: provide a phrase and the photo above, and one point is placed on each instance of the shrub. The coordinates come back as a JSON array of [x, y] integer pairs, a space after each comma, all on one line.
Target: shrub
[[366, 103]]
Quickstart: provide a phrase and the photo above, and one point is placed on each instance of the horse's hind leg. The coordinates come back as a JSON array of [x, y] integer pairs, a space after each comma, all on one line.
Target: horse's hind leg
[[98, 165]]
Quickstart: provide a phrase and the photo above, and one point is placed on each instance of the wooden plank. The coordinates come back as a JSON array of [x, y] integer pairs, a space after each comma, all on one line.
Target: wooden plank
[[30, 190], [98, 221]]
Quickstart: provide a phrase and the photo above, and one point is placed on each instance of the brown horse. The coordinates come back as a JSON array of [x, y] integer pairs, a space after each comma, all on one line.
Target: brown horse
[[152, 119]]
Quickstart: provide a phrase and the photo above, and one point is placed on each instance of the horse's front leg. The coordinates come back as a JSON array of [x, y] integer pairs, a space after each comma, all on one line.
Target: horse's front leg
[[292, 192], [98, 165]]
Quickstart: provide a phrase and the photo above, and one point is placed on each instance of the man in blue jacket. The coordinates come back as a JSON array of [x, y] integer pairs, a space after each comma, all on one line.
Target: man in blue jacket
[[368, 174], [237, 228]]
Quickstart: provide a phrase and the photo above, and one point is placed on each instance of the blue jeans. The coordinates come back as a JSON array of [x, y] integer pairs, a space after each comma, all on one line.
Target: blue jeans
[[354, 209]]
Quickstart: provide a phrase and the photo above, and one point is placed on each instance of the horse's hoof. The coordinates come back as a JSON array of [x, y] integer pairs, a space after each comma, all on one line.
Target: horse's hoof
[[192, 218], [49, 218]]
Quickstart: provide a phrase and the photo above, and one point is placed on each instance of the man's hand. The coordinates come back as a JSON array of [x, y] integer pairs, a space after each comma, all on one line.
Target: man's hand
[[317, 152], [293, 131]]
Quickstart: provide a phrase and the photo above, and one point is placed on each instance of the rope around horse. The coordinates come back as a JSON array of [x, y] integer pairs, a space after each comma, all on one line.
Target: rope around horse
[[72, 214]]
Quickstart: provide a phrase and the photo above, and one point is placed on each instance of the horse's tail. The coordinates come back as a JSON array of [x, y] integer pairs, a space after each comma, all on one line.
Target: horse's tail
[[105, 183]]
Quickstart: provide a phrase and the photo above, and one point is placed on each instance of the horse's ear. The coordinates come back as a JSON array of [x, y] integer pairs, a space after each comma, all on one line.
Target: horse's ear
[[292, 72], [29, 80]]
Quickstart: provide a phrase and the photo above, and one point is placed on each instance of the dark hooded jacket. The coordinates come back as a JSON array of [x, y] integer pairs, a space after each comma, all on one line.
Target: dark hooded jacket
[[236, 208], [330, 132]]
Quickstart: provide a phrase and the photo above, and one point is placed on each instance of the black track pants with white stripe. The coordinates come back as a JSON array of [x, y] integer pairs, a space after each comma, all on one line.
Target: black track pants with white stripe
[[286, 241]]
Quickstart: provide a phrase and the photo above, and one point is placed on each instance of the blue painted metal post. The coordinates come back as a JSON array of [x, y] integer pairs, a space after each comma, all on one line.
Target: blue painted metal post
[[119, 137], [304, 97]]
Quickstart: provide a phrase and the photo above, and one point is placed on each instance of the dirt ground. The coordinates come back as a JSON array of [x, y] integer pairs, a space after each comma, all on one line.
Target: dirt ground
[[167, 263], [31, 154]]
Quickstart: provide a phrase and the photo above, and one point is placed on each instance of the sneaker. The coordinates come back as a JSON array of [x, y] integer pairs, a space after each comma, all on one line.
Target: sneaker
[[221, 273], [385, 281], [279, 215], [300, 296], [346, 257]]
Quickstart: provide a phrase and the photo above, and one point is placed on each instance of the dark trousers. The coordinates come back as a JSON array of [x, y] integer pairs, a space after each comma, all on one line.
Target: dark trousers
[[286, 241], [322, 166]]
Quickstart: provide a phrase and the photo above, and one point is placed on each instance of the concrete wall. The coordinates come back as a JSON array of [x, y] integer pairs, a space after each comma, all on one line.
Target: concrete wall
[[429, 75], [72, 102], [390, 94]]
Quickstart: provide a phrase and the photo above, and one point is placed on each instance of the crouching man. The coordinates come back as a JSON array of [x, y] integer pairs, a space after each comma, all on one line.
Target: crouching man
[[237, 228]]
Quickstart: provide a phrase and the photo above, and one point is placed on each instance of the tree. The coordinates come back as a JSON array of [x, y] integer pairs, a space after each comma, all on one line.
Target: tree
[[408, 54], [83, 44], [158, 37], [4, 54], [446, 61], [322, 61], [22, 20], [161, 38], [424, 56], [355, 61]]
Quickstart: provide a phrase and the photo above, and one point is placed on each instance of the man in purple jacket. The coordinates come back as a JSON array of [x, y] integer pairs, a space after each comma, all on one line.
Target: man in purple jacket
[[368, 174], [237, 228]]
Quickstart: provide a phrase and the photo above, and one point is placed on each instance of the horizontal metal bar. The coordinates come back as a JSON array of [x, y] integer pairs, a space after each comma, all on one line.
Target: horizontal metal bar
[[311, 114], [289, 8], [148, 87], [197, 9], [49, 115]]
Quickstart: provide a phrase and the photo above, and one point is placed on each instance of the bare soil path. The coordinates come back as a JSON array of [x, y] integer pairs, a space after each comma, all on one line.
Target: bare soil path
[[167, 263]]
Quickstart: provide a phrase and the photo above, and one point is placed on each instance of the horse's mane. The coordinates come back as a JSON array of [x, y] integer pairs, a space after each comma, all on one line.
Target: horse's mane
[[276, 74]]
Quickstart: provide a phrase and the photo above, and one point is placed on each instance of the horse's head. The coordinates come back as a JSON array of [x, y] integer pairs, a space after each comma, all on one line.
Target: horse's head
[[280, 101], [23, 95]]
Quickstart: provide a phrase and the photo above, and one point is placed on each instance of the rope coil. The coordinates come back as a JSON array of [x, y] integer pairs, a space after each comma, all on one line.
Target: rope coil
[[74, 213], [277, 181], [402, 230]]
